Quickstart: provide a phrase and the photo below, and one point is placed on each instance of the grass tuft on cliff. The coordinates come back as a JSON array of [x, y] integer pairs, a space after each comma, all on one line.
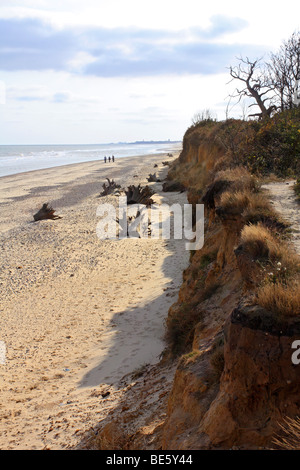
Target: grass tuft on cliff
[[180, 327], [280, 298], [279, 288]]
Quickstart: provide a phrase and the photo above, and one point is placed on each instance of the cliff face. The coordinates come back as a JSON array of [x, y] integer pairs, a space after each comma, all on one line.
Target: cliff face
[[259, 385], [238, 381]]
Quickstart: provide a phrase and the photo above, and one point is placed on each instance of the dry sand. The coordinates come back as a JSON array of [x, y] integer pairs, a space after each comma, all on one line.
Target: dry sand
[[284, 200], [78, 315]]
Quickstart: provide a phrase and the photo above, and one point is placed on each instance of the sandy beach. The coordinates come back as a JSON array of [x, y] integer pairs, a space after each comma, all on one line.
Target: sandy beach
[[79, 315]]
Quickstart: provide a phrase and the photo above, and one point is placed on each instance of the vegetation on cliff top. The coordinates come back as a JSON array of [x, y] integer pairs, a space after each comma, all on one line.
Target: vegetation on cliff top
[[223, 164]]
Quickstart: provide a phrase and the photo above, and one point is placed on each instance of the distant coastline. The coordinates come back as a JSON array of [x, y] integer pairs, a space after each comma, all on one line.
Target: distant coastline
[[136, 142], [22, 158], [151, 142]]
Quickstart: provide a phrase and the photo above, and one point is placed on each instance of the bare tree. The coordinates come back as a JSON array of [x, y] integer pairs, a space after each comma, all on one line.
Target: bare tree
[[254, 85], [203, 116], [284, 71]]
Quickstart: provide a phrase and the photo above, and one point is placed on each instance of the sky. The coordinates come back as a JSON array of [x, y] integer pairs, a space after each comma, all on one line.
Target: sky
[[99, 71]]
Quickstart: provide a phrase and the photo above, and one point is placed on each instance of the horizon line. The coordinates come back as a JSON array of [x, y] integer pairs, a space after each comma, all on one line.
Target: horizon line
[[168, 141]]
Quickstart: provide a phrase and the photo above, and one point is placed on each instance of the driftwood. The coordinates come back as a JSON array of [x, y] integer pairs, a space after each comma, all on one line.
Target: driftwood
[[166, 163], [138, 195], [46, 212], [109, 188], [152, 178], [170, 186]]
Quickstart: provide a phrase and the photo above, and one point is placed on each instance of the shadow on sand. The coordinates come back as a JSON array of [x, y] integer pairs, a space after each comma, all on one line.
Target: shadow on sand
[[137, 334]]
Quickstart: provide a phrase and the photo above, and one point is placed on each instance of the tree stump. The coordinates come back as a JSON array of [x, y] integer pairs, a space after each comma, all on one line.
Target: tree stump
[[46, 212], [139, 195], [109, 188]]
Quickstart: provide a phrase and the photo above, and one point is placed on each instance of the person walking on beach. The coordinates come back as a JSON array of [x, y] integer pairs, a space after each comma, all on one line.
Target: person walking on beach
[[104, 159], [109, 159], [113, 158]]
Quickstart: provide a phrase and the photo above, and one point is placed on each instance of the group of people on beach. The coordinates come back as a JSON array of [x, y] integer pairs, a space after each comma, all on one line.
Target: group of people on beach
[[109, 159]]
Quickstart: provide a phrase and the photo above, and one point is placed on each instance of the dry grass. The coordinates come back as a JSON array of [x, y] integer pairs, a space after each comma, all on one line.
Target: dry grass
[[244, 197], [240, 179], [259, 242], [289, 437], [180, 325], [258, 203], [178, 170], [236, 201], [283, 299], [198, 178], [279, 264], [247, 202], [289, 259], [191, 175], [259, 209], [111, 437], [280, 290]]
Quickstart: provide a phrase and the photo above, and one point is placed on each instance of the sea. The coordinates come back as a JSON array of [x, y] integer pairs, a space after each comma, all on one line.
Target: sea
[[21, 158]]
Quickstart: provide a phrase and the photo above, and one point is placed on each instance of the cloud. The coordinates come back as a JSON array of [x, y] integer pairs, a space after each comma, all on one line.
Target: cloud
[[221, 25], [29, 98], [38, 94], [62, 97], [30, 44]]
